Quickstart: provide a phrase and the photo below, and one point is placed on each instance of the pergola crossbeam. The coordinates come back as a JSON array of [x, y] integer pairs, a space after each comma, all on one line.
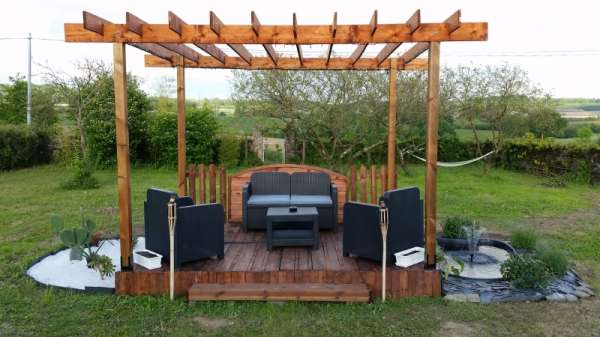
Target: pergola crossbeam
[[216, 25], [176, 24], [268, 47], [333, 30], [360, 49], [289, 63], [413, 23], [298, 46]]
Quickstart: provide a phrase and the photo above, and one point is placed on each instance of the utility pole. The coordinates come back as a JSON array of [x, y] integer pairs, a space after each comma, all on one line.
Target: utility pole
[[29, 81]]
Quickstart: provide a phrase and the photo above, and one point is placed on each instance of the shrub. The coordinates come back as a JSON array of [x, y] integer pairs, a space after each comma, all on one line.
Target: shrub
[[229, 151], [453, 227], [22, 146], [201, 140], [523, 239], [555, 260], [525, 271], [83, 178]]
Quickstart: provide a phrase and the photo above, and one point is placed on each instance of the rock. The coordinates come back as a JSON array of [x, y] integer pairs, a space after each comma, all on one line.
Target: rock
[[586, 290], [571, 297], [473, 298], [581, 294], [456, 297], [556, 297], [486, 297]]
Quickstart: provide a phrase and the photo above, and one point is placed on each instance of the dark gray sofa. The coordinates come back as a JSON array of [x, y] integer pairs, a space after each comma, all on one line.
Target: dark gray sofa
[[199, 231], [279, 189], [362, 233]]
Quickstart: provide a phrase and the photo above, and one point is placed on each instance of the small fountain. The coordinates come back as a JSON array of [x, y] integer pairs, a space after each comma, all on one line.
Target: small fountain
[[481, 257]]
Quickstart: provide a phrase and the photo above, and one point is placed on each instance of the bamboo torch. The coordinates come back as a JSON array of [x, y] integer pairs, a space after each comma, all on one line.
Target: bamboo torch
[[172, 217], [384, 221]]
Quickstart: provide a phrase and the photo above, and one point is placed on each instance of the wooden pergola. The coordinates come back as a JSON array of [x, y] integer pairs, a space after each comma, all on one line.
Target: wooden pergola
[[182, 45]]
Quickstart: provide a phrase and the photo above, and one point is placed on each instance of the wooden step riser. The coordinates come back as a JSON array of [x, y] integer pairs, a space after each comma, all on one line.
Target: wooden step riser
[[280, 292]]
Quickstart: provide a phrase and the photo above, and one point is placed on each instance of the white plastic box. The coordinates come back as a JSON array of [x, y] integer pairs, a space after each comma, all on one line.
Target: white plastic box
[[409, 257], [147, 259]]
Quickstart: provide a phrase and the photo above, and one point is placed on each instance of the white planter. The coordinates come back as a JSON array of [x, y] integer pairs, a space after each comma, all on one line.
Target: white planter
[[409, 257], [147, 259]]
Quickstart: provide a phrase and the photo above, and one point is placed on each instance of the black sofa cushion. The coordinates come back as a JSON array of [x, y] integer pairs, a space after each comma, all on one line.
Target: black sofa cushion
[[270, 183], [268, 200], [310, 183], [310, 200]]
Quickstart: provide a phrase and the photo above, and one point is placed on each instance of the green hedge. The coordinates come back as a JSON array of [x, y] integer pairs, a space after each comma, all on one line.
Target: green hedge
[[201, 138], [21, 146], [579, 162]]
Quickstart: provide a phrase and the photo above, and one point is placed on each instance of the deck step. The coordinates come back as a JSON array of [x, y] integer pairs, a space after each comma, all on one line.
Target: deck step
[[321, 292]]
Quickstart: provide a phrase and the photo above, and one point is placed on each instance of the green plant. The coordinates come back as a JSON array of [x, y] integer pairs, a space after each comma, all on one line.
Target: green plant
[[22, 146], [525, 271], [523, 239], [229, 150], [555, 260], [101, 263], [447, 264], [79, 240], [454, 227], [201, 138], [83, 178]]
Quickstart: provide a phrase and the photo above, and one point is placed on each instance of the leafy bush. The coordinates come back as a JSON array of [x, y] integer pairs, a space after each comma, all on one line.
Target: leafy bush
[[454, 227], [22, 146], [523, 239], [201, 138], [525, 271], [555, 260], [83, 178], [229, 151], [99, 121]]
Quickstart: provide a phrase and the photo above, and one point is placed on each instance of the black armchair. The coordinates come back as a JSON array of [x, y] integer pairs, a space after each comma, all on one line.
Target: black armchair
[[199, 231], [362, 233]]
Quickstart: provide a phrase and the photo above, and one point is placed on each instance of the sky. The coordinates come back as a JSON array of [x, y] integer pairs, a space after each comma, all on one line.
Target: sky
[[556, 42]]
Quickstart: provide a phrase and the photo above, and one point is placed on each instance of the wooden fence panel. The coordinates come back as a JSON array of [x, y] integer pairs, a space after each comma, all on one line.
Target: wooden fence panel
[[223, 188], [373, 184], [212, 183], [202, 184], [192, 182], [352, 183], [363, 183]]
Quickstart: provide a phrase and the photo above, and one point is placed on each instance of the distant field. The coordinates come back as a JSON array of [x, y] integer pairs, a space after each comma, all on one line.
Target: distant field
[[245, 125]]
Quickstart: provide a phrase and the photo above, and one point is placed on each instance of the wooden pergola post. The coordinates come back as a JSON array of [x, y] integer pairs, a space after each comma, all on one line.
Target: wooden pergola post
[[123, 166], [433, 108], [391, 146], [181, 165]]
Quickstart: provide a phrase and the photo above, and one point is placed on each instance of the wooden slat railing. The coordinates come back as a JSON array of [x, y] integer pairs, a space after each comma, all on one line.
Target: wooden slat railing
[[197, 176], [366, 184]]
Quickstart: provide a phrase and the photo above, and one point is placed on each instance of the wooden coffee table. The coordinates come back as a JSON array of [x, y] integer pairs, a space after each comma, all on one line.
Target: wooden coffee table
[[286, 228]]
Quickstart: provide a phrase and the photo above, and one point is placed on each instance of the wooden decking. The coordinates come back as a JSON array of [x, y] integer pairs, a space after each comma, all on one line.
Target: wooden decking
[[247, 260]]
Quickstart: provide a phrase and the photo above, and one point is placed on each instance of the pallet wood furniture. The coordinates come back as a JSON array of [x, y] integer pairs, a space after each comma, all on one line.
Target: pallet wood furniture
[[287, 228], [168, 46]]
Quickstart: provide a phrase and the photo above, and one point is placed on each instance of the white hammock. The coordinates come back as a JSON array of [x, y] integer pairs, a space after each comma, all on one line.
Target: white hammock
[[456, 163]]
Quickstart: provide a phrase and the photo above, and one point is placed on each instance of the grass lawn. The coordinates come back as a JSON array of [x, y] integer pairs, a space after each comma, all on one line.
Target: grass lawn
[[565, 217]]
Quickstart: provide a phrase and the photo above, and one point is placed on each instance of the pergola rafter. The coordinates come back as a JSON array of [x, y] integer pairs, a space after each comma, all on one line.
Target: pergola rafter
[[166, 44]]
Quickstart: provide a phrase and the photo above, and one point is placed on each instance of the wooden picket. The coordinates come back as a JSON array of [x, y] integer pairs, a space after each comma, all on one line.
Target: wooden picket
[[366, 184], [197, 184]]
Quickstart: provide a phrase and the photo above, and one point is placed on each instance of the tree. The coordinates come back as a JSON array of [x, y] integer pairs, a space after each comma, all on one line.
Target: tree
[[89, 93], [13, 102]]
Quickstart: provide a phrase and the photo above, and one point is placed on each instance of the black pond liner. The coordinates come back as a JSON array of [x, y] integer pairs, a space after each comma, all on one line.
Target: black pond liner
[[87, 290], [450, 244]]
